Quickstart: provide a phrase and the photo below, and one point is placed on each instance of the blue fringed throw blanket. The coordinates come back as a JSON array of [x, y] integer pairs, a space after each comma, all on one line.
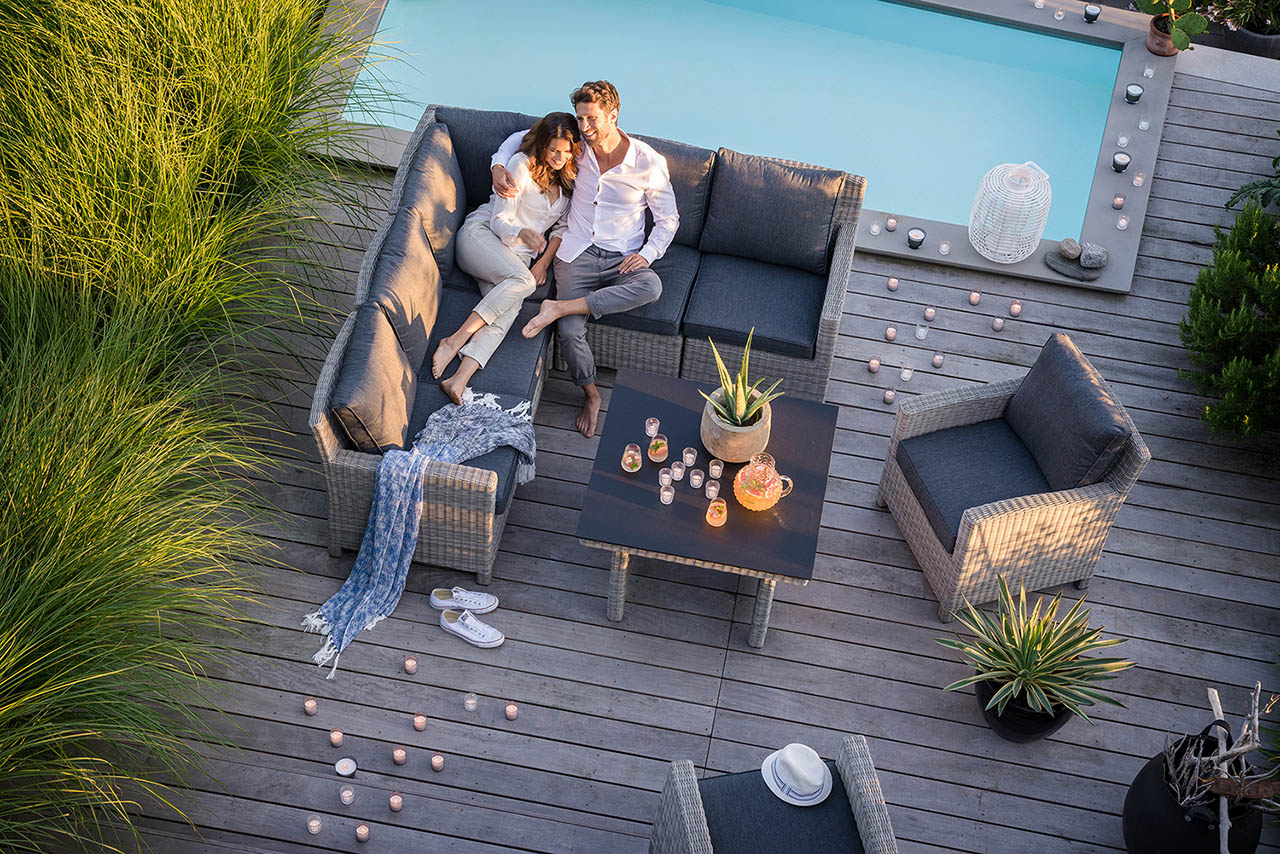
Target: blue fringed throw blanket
[[452, 434]]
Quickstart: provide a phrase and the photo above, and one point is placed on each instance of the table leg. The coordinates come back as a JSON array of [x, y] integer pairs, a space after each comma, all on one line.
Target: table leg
[[618, 585], [760, 618]]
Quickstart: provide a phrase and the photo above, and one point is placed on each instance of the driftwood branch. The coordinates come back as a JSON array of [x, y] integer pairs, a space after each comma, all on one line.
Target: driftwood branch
[[1220, 764], [1222, 759], [1230, 787]]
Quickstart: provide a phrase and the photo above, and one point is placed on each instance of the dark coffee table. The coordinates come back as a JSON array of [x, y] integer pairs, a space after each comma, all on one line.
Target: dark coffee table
[[621, 512]]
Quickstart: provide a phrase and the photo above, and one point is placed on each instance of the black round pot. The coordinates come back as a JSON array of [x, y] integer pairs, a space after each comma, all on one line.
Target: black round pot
[[1247, 41], [1018, 722], [1155, 824]]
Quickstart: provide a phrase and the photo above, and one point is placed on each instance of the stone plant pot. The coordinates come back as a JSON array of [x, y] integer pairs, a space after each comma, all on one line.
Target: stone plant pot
[[1159, 42], [734, 444], [1018, 723], [1247, 41]]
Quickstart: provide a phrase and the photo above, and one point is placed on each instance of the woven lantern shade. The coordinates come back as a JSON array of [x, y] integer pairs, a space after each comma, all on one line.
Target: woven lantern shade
[[1009, 212]]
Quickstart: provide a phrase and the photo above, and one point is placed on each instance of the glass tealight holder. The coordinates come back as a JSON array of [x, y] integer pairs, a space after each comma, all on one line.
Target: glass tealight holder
[[689, 455], [658, 448], [717, 512], [666, 494], [1144, 123], [892, 283], [944, 247], [470, 702], [1148, 71], [651, 426], [631, 459], [347, 794], [930, 312], [1039, 4], [712, 489], [1122, 222], [1122, 141], [1137, 180], [696, 476], [664, 476], [677, 470], [715, 468], [313, 824], [922, 331], [937, 360], [1059, 14], [875, 228], [905, 373]]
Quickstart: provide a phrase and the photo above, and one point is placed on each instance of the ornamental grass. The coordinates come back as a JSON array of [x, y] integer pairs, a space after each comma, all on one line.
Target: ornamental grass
[[156, 167]]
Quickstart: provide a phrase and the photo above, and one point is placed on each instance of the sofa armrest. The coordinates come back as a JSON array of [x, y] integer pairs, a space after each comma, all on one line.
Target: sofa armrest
[[1081, 517], [321, 421], [862, 787], [838, 276], [681, 824], [954, 408]]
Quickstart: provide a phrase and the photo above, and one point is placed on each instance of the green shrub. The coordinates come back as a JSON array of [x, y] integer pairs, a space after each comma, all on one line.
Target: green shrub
[[1232, 327], [150, 154]]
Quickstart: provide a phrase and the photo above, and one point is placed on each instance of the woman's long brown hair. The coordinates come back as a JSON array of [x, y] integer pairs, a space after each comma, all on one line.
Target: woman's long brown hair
[[550, 127]]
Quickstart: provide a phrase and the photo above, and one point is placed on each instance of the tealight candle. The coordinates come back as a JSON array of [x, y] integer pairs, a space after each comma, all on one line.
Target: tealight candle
[[1118, 201], [651, 427], [437, 762], [937, 360], [889, 395], [1133, 92], [696, 476], [1148, 71], [1122, 222], [997, 324], [347, 794], [345, 767], [1015, 309], [1039, 4], [1144, 123], [664, 476], [1137, 180], [313, 824], [712, 489], [715, 468], [893, 283], [362, 832], [419, 722], [470, 702], [1120, 161], [974, 297], [677, 471], [310, 706], [873, 364], [396, 802], [717, 512], [890, 333], [512, 711], [891, 224], [399, 755], [666, 494], [689, 455], [410, 665], [930, 313], [915, 238], [1091, 13], [944, 248], [922, 331], [1123, 140], [335, 737], [875, 228], [905, 373], [1059, 14]]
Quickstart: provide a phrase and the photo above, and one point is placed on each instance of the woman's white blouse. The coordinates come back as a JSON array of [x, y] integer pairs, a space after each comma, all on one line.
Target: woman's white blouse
[[528, 208]]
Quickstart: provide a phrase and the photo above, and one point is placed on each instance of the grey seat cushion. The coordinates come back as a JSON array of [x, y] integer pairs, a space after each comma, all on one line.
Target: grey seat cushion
[[433, 187], [792, 210], [690, 168], [1065, 414], [731, 295], [954, 469], [745, 817], [476, 136], [677, 269], [406, 283], [376, 383]]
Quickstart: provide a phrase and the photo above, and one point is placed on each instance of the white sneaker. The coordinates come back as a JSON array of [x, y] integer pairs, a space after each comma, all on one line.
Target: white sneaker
[[463, 600], [465, 625]]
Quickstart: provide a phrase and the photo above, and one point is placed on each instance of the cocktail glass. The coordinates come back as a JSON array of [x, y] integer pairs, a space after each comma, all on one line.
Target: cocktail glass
[[631, 459]]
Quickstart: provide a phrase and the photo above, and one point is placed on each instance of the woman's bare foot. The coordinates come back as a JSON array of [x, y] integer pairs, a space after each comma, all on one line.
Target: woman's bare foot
[[445, 351], [548, 313], [586, 421], [454, 386]]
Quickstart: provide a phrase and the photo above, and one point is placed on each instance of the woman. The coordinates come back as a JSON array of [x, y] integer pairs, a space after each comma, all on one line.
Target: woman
[[502, 238]]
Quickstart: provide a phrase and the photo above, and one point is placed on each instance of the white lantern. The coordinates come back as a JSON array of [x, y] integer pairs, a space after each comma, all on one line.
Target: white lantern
[[1010, 211]]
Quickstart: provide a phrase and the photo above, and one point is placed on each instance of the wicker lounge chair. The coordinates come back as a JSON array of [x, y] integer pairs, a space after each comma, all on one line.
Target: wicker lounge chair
[[681, 826], [966, 499]]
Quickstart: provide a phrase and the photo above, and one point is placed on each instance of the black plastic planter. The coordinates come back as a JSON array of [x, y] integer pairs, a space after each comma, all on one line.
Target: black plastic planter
[[1018, 722]]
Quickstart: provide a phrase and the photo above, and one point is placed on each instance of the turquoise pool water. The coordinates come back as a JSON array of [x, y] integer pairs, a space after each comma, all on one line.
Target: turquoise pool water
[[921, 103]]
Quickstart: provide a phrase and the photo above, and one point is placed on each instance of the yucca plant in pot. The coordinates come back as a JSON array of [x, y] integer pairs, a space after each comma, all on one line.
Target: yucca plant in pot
[[737, 418], [1031, 674]]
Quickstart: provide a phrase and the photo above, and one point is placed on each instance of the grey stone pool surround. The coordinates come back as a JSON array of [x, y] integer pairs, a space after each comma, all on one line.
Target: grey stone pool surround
[[383, 146]]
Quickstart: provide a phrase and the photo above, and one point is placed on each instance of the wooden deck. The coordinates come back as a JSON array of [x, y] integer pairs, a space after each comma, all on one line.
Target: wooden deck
[[1190, 577]]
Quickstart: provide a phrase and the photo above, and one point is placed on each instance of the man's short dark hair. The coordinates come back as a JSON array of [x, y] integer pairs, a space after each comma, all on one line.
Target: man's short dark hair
[[600, 92]]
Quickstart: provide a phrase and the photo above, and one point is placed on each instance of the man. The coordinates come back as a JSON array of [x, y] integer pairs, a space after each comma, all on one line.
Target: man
[[602, 266]]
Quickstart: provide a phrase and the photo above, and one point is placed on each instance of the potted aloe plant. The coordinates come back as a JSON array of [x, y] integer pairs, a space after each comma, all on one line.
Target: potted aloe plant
[[1173, 23], [737, 417], [1031, 671]]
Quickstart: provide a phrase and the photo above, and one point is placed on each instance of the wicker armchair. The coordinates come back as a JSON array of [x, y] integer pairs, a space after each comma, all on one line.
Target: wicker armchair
[[681, 826], [1039, 540]]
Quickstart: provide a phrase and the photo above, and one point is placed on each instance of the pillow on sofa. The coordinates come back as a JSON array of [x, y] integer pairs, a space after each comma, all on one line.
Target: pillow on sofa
[[1067, 417], [406, 283], [376, 385], [690, 170], [792, 209], [476, 135], [433, 187]]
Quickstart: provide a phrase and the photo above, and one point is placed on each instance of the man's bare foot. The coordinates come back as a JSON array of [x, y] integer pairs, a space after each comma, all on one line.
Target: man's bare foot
[[586, 421], [454, 386], [445, 351], [548, 313]]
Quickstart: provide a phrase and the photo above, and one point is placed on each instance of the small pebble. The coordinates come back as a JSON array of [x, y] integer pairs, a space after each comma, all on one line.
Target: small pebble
[[1069, 248]]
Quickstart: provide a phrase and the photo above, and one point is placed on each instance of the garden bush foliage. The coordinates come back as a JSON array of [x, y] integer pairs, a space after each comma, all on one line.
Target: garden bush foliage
[[150, 154], [1232, 327]]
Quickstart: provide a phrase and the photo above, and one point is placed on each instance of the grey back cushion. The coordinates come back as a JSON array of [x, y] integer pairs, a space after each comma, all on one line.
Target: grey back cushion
[[406, 283], [376, 385], [1067, 417], [690, 168], [476, 135], [773, 211], [433, 187], [745, 817]]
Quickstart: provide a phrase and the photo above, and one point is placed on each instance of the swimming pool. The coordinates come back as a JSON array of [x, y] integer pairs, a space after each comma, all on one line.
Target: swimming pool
[[920, 103]]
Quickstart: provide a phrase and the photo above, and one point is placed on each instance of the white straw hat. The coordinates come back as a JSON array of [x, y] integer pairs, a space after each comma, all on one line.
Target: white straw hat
[[797, 774]]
